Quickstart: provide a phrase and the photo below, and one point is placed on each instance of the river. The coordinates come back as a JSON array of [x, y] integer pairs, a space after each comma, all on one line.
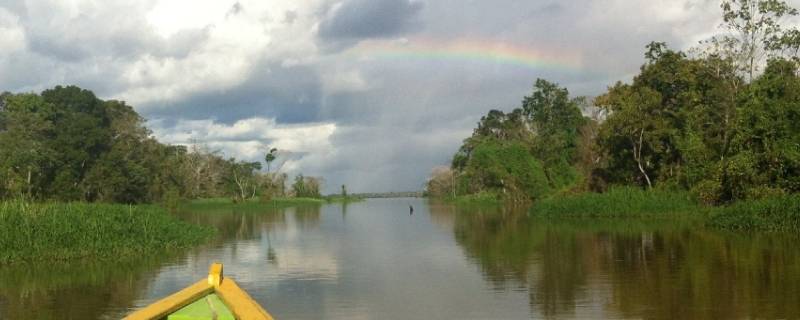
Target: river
[[375, 260]]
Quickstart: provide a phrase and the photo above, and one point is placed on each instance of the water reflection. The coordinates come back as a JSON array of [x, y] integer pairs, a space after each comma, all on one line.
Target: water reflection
[[248, 223], [373, 260], [631, 269], [81, 290]]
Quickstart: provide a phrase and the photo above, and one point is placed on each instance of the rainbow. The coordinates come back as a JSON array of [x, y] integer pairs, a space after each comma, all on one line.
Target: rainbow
[[469, 50]]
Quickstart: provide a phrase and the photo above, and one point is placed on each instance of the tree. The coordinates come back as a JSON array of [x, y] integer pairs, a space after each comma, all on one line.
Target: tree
[[631, 136], [271, 156], [66, 144], [306, 187], [755, 31], [555, 120], [83, 135], [442, 182], [25, 156], [243, 178], [768, 136], [506, 169]]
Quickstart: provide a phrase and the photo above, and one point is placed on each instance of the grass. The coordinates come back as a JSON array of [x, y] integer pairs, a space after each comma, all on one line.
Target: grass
[[776, 214], [226, 205], [339, 199], [618, 202], [482, 198], [255, 204], [66, 231], [259, 205], [772, 214]]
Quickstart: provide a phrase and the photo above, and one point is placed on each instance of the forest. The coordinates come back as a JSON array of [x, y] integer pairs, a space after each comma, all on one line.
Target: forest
[[66, 144], [720, 122]]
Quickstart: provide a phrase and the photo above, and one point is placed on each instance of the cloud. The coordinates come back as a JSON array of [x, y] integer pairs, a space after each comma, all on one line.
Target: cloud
[[291, 94], [362, 19], [250, 139]]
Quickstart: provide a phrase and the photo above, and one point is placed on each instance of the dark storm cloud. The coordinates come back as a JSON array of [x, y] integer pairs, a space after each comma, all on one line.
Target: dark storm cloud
[[362, 19], [288, 94]]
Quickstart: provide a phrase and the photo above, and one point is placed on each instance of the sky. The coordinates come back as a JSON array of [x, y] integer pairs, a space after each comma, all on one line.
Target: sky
[[368, 93]]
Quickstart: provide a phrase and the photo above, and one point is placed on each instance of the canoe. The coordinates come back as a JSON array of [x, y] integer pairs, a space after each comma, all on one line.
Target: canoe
[[213, 298]]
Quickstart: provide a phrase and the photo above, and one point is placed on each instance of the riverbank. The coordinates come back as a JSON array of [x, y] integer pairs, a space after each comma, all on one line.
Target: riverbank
[[66, 231], [618, 202], [273, 201], [341, 199], [480, 199], [775, 214], [210, 204], [780, 213]]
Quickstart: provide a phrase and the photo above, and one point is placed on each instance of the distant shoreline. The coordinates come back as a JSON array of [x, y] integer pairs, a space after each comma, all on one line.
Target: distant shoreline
[[404, 194]]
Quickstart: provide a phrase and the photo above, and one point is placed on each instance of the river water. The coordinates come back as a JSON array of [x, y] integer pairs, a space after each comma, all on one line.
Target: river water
[[375, 260]]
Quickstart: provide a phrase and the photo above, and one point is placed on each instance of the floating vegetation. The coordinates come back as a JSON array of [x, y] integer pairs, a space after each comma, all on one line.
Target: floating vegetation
[[780, 213], [618, 202], [63, 231]]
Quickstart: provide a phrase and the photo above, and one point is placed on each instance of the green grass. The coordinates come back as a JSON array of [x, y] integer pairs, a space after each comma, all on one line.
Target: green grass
[[482, 198], [773, 214], [66, 231], [618, 202], [251, 205], [339, 199], [281, 202]]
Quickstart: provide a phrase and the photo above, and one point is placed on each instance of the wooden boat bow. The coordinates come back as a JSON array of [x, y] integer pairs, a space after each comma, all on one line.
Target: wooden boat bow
[[237, 301]]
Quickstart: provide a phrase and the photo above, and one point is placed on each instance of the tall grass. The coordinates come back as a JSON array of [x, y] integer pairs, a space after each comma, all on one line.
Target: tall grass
[[617, 202], [483, 198], [226, 204], [63, 231], [340, 199], [772, 214]]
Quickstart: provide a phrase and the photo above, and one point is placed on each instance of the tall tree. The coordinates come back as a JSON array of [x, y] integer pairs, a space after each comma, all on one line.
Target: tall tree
[[25, 157], [270, 156], [555, 120], [754, 31]]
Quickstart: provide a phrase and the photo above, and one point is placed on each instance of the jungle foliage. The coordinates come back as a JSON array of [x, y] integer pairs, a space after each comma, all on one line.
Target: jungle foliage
[[65, 144], [524, 154], [721, 122]]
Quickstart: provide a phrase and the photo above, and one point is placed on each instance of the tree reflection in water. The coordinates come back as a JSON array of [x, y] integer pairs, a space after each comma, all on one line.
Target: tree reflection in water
[[633, 269], [74, 290]]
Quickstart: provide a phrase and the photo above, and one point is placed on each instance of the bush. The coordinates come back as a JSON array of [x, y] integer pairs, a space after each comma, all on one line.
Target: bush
[[707, 192], [506, 169]]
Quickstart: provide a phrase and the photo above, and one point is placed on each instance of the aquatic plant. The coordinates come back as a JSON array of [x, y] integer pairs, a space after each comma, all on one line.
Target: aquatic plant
[[780, 213], [618, 202], [63, 231]]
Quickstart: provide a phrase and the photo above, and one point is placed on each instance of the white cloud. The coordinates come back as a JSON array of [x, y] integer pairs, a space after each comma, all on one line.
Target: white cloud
[[154, 52], [306, 145], [343, 80], [12, 36], [169, 17], [241, 35], [660, 18]]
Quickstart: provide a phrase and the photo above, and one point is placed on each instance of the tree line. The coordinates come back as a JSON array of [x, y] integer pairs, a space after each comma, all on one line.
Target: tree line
[[722, 121], [65, 144]]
